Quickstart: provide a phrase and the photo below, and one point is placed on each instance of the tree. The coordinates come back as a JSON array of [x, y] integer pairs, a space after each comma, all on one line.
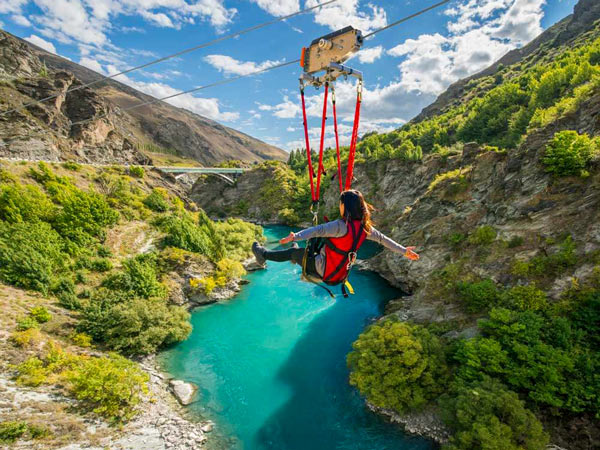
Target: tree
[[397, 365]]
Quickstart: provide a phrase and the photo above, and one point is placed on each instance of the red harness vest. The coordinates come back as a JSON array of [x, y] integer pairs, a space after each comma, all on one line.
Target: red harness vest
[[340, 253]]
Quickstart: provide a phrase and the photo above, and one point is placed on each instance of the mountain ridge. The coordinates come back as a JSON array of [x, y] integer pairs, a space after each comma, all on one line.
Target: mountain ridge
[[159, 127]]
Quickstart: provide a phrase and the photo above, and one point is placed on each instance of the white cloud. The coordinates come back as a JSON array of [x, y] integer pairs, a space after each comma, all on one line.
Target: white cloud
[[279, 7], [207, 107], [12, 6], [481, 31], [90, 21], [346, 12], [92, 64], [36, 40], [232, 66], [370, 55], [21, 20]]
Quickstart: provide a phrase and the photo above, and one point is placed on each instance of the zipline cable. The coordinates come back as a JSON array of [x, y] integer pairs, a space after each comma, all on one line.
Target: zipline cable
[[174, 55], [407, 18], [189, 91]]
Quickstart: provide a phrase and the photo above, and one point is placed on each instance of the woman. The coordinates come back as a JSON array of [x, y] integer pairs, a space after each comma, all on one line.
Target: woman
[[343, 239]]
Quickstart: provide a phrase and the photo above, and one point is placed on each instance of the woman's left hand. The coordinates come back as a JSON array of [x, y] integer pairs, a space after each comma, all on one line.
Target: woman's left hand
[[289, 238], [411, 254]]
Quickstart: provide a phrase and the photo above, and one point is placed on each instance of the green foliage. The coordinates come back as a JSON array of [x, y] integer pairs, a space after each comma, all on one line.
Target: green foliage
[[157, 200], [456, 239], [526, 298], [10, 431], [139, 278], [40, 314], [478, 296], [194, 235], [71, 165], [238, 237], [24, 203], [514, 242], [487, 416], [226, 271], [111, 386], [101, 265], [397, 365], [27, 323], [83, 215], [483, 235], [492, 117], [30, 255], [134, 326], [137, 171], [569, 153], [548, 265]]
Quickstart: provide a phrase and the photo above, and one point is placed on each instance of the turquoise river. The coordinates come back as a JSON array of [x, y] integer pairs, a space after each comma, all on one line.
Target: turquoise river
[[271, 365]]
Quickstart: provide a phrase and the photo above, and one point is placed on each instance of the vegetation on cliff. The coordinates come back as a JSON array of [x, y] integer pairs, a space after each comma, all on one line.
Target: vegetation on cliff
[[61, 236]]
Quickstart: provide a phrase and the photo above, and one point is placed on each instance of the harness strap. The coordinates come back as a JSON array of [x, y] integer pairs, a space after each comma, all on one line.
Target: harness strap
[[337, 139], [352, 152], [311, 173], [320, 169]]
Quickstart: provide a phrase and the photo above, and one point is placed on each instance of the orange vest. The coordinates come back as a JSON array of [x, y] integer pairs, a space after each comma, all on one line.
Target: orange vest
[[340, 253]]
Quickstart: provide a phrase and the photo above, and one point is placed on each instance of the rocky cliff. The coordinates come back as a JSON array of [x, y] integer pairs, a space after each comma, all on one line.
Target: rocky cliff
[[46, 130]]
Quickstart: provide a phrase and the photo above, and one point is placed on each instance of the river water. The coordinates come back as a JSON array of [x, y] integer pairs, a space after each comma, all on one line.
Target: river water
[[271, 365]]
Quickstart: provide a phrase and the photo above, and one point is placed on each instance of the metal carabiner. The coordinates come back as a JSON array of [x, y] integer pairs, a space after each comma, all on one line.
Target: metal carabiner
[[351, 260]]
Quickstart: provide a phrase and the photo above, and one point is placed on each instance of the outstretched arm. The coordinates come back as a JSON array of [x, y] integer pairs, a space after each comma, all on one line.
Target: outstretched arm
[[392, 245], [336, 228]]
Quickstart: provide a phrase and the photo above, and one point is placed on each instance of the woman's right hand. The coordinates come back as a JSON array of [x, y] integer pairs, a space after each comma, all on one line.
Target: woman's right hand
[[289, 238], [411, 254]]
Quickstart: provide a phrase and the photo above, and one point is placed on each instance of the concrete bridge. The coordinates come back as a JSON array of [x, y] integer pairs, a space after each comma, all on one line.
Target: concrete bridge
[[229, 174]]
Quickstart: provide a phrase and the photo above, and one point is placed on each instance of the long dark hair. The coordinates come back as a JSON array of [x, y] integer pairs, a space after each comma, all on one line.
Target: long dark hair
[[356, 208]]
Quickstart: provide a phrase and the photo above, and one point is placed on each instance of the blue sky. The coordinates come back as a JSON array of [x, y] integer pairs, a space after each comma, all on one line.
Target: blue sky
[[405, 67]]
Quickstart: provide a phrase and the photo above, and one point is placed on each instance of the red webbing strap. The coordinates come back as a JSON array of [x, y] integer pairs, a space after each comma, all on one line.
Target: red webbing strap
[[308, 157], [337, 139], [320, 170], [350, 170]]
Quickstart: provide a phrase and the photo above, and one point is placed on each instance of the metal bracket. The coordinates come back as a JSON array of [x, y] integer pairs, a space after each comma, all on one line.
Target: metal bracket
[[332, 73]]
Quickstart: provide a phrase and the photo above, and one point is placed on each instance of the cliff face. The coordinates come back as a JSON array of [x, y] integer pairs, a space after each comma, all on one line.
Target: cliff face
[[45, 131]]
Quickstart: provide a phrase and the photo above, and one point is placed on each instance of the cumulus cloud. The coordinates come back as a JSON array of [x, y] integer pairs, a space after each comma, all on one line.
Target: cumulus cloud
[[42, 43], [279, 7], [89, 22], [370, 55], [21, 20], [92, 64], [480, 32], [347, 12], [207, 107], [232, 66]]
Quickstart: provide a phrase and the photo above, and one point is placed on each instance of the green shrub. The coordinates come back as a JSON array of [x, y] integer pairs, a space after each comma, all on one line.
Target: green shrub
[[71, 165], [27, 323], [69, 301], [238, 237], [40, 314], [187, 233], [83, 214], [111, 386], [38, 431], [514, 242], [101, 265], [485, 416], [157, 200], [139, 278], [31, 372], [479, 295], [81, 339], [456, 239], [24, 203], [137, 171], [568, 153], [104, 252], [12, 430], [483, 235], [397, 365], [526, 298], [30, 255], [134, 326]]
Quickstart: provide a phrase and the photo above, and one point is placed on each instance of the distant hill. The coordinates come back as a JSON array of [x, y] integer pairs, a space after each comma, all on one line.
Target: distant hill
[[30, 72]]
